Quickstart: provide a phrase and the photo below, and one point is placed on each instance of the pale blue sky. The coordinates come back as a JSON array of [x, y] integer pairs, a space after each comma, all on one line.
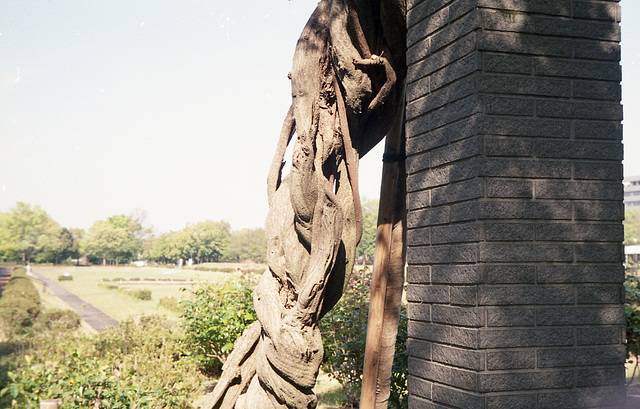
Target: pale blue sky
[[173, 107]]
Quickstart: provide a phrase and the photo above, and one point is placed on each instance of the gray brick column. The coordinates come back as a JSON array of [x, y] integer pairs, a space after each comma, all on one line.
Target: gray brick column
[[515, 204]]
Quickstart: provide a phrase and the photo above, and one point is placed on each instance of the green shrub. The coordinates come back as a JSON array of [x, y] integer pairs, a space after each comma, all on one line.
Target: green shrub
[[171, 304], [135, 279], [144, 295], [344, 331], [632, 315], [60, 320], [214, 317], [138, 364], [19, 270], [65, 277], [19, 306]]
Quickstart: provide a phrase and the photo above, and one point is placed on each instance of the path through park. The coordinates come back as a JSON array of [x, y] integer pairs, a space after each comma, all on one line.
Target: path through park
[[96, 318], [5, 276]]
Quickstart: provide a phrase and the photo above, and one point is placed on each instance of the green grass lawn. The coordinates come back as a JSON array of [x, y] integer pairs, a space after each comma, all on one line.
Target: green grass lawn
[[92, 284]]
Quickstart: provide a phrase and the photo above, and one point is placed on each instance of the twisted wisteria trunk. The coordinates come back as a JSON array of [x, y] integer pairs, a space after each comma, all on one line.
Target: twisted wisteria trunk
[[348, 69]]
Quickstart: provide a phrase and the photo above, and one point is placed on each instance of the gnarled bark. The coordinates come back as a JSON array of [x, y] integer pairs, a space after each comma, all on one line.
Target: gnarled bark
[[347, 68]]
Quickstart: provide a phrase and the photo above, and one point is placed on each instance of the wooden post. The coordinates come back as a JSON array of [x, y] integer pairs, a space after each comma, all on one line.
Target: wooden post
[[393, 295], [392, 191]]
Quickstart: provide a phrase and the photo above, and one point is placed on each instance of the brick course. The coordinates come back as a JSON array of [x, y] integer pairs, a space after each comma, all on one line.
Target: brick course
[[514, 204]]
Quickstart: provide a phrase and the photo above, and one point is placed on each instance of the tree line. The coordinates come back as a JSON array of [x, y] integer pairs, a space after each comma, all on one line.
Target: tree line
[[29, 234]]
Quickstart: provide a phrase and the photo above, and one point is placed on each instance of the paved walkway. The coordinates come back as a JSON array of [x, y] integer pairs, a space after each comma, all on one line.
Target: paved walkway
[[96, 319], [5, 276]]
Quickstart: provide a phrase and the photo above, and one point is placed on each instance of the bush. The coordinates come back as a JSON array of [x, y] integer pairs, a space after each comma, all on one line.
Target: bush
[[344, 331], [138, 364], [144, 295], [19, 306], [171, 304], [65, 277], [60, 320], [632, 315], [214, 317]]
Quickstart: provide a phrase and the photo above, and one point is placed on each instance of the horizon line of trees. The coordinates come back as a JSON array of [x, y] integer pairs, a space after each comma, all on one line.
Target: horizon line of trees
[[28, 234]]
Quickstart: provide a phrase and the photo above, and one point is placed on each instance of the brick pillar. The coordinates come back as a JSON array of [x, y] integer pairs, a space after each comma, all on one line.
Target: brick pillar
[[515, 204]]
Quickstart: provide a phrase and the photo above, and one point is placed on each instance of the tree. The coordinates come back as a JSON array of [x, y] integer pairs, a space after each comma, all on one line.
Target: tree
[[77, 235], [24, 231], [113, 240], [202, 242], [346, 82], [137, 223], [55, 246], [247, 244], [162, 249], [208, 240]]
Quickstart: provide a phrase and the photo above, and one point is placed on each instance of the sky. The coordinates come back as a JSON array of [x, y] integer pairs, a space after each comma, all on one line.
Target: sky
[[170, 108]]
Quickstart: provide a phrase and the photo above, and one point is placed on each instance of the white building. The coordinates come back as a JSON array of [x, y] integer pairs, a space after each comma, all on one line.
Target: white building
[[632, 193]]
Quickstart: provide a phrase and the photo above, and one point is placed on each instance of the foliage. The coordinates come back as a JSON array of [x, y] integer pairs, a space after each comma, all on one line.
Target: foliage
[[171, 304], [138, 364], [366, 247], [144, 295], [59, 320], [214, 317], [631, 227], [247, 244], [28, 234], [208, 240], [56, 245], [19, 306], [115, 240], [202, 242], [65, 277], [632, 315], [344, 331]]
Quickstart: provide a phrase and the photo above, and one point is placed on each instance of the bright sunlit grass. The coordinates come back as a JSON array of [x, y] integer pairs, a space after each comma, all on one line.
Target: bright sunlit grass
[[95, 286]]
